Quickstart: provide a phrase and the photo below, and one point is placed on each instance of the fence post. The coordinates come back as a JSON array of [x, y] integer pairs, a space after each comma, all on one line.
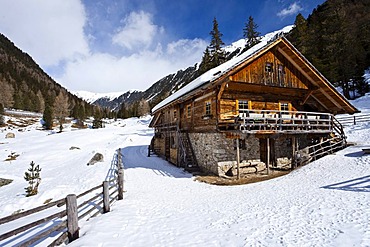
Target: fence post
[[354, 120], [106, 206], [72, 217], [119, 159], [120, 184]]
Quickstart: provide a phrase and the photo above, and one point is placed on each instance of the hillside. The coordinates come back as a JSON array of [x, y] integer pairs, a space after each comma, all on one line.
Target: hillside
[[335, 38], [25, 86]]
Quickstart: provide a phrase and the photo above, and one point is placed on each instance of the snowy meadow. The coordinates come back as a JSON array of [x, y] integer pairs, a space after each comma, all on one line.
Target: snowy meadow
[[325, 203]]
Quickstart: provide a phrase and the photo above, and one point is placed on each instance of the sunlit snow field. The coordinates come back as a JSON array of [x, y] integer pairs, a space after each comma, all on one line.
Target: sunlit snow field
[[325, 203]]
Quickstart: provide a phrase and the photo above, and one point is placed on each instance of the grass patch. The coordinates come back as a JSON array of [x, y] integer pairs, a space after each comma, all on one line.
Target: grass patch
[[12, 156], [4, 181]]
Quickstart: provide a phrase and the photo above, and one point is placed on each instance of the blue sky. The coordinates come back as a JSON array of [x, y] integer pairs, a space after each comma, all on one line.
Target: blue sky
[[118, 45]]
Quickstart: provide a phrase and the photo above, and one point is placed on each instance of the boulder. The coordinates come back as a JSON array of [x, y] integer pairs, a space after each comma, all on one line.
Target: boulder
[[10, 135], [98, 157]]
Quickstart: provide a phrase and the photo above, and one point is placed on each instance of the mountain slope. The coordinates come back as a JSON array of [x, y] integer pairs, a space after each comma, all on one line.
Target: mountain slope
[[25, 86]]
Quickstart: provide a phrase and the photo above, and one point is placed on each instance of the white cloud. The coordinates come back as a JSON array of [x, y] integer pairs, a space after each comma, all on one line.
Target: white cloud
[[50, 31], [293, 9], [138, 30], [106, 73]]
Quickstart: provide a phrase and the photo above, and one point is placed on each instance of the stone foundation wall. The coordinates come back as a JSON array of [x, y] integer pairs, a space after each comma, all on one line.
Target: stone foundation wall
[[283, 148], [212, 148]]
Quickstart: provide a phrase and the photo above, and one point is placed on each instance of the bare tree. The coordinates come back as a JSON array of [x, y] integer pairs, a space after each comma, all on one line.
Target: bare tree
[[6, 95], [61, 109], [144, 107], [41, 100]]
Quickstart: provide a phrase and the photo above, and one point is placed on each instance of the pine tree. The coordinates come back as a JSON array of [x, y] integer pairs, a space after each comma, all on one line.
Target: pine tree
[[205, 65], [33, 178], [48, 117], [215, 47], [299, 33], [97, 123], [250, 32]]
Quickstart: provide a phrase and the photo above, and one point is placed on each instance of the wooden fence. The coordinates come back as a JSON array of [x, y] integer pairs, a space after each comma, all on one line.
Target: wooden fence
[[314, 152], [64, 223], [348, 120]]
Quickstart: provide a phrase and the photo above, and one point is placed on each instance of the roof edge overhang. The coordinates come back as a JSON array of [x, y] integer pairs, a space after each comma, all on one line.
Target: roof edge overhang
[[324, 80], [222, 76]]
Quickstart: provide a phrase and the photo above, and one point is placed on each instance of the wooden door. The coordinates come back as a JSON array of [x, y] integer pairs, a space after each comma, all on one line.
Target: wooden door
[[263, 151]]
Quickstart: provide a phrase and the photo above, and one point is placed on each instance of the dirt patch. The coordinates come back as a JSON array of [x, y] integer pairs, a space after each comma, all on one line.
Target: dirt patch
[[246, 179], [22, 123]]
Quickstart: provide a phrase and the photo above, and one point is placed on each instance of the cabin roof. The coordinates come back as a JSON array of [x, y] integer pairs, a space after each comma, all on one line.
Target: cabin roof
[[326, 95]]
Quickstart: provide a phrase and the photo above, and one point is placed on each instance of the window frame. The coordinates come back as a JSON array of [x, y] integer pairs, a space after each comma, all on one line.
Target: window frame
[[208, 108], [284, 103], [188, 111], [269, 67]]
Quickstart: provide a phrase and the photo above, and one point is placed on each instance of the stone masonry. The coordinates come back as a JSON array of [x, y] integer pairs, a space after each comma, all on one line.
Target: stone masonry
[[214, 149]]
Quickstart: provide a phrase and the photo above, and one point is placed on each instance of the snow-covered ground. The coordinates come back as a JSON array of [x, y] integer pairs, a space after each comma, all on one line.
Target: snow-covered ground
[[326, 203]]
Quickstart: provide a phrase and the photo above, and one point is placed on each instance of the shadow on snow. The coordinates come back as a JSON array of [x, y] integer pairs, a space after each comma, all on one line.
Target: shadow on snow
[[361, 184], [137, 157]]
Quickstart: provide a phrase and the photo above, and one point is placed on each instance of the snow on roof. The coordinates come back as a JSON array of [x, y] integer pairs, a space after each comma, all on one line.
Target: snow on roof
[[220, 70]]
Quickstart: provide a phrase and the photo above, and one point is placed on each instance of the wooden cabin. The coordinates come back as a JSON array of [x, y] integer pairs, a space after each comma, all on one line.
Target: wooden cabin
[[269, 107]]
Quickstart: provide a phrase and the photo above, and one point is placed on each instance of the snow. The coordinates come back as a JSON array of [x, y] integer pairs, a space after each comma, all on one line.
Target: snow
[[325, 203], [220, 70], [91, 97]]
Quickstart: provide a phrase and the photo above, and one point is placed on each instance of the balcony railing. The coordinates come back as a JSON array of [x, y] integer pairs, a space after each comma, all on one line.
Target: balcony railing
[[279, 121]]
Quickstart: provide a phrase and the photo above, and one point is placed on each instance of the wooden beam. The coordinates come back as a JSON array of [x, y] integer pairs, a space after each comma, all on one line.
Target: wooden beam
[[237, 158], [306, 98], [204, 96], [222, 89], [313, 96], [259, 88], [268, 155], [293, 163], [309, 78]]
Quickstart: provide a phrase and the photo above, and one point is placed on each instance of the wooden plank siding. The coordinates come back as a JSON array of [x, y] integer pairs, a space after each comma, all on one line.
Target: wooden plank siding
[[280, 73]]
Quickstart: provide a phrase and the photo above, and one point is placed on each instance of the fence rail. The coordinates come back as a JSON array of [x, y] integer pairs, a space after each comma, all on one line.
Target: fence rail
[[65, 222], [316, 151], [279, 121], [347, 120]]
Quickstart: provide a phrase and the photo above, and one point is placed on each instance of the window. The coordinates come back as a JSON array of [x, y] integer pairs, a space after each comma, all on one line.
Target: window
[[188, 111], [243, 105], [284, 106], [208, 108], [174, 114], [268, 67]]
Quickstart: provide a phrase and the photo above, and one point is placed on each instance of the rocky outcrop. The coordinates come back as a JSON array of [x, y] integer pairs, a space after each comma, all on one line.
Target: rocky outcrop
[[98, 157]]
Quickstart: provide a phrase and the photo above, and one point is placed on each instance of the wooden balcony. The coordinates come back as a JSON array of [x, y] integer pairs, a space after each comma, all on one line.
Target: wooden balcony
[[273, 121]]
